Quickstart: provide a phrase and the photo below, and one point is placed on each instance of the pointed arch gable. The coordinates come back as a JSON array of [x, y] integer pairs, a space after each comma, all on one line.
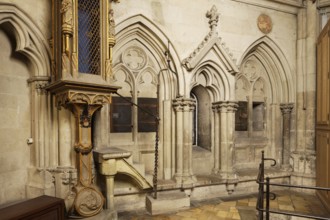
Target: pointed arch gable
[[141, 29], [211, 43], [276, 65], [218, 81], [29, 39]]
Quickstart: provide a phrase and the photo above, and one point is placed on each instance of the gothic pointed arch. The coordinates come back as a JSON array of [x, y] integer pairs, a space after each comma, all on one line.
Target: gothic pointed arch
[[264, 82], [277, 69], [29, 39], [216, 80], [141, 32], [212, 53]]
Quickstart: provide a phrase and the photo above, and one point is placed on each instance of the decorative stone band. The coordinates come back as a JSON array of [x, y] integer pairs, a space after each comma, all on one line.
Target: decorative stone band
[[184, 104], [286, 108], [84, 98]]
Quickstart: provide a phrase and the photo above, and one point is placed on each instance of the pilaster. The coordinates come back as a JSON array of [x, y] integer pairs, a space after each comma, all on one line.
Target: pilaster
[[225, 115], [184, 108], [286, 109]]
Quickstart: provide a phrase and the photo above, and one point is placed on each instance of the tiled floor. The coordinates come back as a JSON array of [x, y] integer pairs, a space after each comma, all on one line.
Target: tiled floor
[[243, 208]]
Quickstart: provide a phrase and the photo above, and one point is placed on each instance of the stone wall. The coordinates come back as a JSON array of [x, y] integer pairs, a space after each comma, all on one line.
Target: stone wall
[[15, 126]]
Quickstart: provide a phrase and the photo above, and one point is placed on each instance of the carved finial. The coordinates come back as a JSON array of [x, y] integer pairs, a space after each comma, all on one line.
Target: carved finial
[[213, 15]]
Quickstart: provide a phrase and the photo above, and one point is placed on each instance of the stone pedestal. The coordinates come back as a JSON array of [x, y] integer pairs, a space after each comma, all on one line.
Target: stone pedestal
[[112, 161], [167, 202]]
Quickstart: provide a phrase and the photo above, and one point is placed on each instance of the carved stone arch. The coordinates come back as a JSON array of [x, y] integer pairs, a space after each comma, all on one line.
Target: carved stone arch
[[29, 39], [242, 87], [150, 89], [260, 90], [202, 77], [219, 81], [139, 28], [277, 68], [129, 78]]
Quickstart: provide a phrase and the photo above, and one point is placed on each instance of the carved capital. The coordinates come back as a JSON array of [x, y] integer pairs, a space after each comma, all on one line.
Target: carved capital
[[226, 106], [40, 84], [286, 108], [184, 104], [40, 87]]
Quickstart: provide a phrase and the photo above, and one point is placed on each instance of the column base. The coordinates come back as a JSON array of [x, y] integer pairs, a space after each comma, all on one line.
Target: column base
[[185, 181], [286, 167]]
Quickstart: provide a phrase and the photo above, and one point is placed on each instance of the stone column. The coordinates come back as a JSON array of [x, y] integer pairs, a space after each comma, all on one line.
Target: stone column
[[286, 109], [178, 141], [227, 111], [217, 139], [42, 154], [231, 109], [184, 174]]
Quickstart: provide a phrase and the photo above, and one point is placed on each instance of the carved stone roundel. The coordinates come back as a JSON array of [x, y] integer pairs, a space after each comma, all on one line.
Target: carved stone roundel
[[134, 58], [264, 23], [89, 202]]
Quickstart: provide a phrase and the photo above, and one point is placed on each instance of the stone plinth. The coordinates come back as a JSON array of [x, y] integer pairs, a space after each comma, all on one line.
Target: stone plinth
[[167, 202]]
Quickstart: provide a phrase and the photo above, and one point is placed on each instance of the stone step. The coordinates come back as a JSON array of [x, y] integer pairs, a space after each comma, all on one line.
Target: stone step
[[167, 202]]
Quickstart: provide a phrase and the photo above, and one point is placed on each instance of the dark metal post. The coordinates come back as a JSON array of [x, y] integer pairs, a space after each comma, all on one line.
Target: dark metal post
[[261, 188], [267, 198], [156, 160]]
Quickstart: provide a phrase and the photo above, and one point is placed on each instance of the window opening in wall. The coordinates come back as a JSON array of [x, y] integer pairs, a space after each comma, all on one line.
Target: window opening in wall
[[147, 122], [241, 117], [258, 112], [89, 41], [120, 115]]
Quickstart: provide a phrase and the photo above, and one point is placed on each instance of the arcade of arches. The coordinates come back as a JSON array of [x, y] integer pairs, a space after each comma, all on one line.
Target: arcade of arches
[[137, 104]]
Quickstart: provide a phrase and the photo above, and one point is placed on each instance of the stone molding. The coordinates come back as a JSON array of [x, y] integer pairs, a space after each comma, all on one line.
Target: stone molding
[[31, 42], [146, 31], [266, 49]]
